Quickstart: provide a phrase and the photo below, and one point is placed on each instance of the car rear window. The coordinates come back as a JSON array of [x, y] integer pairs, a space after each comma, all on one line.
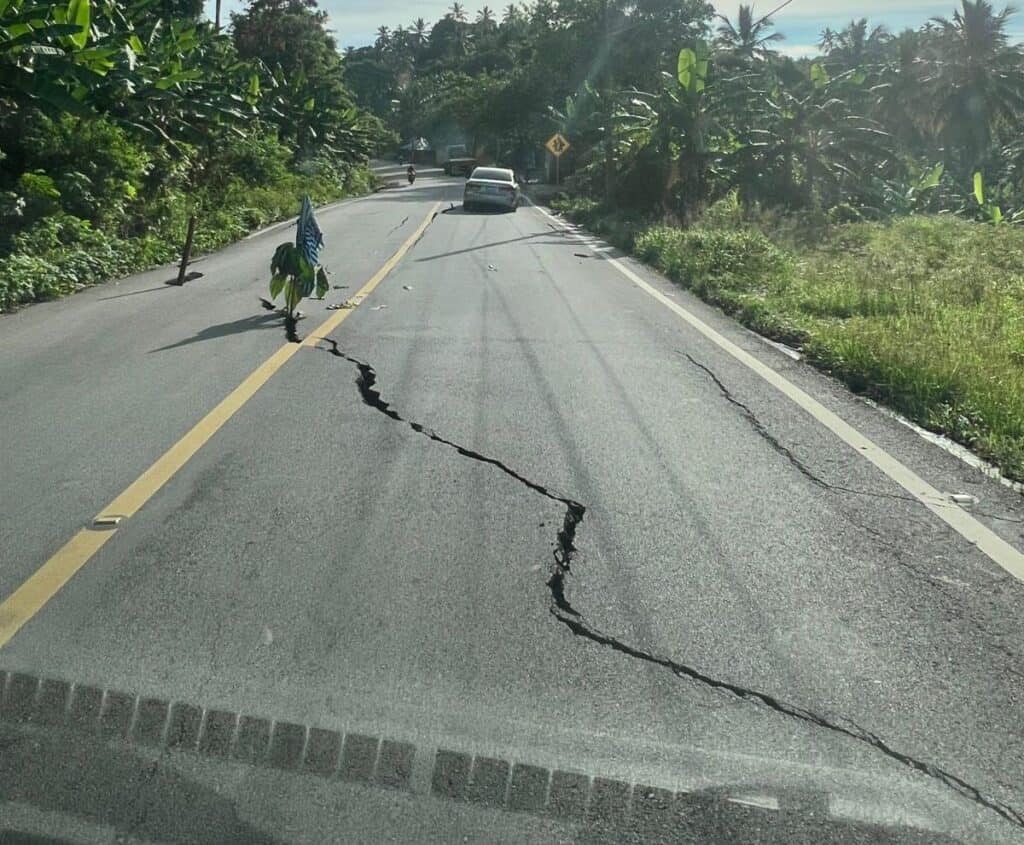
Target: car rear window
[[492, 173]]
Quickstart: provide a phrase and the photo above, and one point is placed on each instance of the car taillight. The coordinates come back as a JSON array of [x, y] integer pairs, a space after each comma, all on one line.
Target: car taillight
[[507, 188]]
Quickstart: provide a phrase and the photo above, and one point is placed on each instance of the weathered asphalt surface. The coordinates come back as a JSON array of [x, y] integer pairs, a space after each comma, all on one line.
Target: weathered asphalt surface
[[367, 545]]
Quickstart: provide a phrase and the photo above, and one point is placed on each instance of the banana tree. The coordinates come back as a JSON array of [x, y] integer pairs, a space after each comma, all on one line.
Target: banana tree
[[294, 269], [41, 46], [295, 277], [814, 145]]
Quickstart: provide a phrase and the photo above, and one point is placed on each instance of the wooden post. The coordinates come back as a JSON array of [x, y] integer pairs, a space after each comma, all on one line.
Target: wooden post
[[558, 170], [186, 253]]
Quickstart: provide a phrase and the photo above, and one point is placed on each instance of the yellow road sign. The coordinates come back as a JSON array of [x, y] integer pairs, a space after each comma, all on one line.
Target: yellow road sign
[[557, 145]]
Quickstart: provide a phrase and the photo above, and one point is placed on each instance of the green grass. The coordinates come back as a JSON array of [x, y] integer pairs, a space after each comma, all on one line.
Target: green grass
[[925, 314]]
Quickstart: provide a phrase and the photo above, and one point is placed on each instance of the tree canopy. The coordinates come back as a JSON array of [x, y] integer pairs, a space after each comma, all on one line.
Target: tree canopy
[[669, 104]]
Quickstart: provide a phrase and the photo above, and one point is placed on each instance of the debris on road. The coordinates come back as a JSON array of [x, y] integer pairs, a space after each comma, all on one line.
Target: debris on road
[[339, 287], [964, 498], [378, 307], [491, 267], [406, 287]]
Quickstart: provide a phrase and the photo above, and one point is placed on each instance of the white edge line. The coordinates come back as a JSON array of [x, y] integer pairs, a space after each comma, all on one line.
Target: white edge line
[[986, 540]]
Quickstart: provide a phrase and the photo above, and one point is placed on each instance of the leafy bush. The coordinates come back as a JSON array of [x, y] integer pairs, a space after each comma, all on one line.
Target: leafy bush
[[62, 253], [714, 262], [39, 194], [97, 167], [258, 158]]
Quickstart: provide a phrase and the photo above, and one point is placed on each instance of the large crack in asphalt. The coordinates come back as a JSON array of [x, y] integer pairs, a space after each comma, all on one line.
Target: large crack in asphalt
[[760, 428], [565, 545], [567, 615], [890, 548], [800, 466]]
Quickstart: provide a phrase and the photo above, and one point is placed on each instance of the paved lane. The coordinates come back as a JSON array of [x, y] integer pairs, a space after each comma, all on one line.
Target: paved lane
[[324, 559]]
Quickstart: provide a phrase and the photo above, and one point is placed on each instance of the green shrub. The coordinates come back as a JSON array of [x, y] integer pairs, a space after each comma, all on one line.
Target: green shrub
[[259, 158], [39, 194], [712, 261], [97, 166], [61, 253]]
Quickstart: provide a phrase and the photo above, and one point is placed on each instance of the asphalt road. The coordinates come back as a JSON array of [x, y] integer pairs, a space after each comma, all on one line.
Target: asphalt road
[[513, 510]]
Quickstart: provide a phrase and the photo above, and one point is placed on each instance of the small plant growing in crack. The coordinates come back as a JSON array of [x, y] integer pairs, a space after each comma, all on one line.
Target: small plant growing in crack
[[295, 268]]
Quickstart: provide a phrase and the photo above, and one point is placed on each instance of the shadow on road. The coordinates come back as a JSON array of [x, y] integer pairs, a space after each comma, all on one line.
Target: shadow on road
[[257, 321], [133, 293], [561, 242], [84, 778]]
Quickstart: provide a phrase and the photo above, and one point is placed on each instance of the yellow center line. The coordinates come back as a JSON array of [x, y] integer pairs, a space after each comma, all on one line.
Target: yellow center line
[[28, 599]]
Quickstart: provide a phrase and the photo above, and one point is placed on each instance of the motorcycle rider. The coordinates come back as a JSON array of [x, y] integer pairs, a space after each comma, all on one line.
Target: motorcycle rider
[[411, 174]]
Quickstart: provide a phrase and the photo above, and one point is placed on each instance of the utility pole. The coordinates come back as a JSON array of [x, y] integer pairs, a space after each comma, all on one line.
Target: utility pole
[[216, 18]]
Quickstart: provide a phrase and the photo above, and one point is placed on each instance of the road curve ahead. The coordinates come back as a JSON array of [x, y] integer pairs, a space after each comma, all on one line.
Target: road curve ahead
[[521, 544]]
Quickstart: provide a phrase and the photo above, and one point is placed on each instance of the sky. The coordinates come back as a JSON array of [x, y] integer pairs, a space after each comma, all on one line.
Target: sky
[[355, 22]]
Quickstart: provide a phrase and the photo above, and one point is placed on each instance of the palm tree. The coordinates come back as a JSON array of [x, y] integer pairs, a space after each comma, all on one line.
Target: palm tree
[[383, 38], [512, 15], [458, 12], [899, 105], [977, 80], [485, 18], [418, 32], [748, 38], [399, 38], [854, 45]]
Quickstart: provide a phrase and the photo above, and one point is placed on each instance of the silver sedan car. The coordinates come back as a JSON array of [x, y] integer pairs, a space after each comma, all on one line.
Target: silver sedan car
[[493, 186]]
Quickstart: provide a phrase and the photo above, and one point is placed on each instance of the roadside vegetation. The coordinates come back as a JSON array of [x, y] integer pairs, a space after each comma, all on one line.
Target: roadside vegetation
[[862, 205], [119, 120], [925, 314]]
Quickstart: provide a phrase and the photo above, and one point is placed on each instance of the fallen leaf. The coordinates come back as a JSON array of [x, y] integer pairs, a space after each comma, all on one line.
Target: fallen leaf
[[406, 287]]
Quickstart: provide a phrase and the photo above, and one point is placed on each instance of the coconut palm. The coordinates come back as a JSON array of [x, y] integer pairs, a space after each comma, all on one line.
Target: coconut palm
[[977, 80], [855, 44], [418, 32], [748, 38], [485, 18]]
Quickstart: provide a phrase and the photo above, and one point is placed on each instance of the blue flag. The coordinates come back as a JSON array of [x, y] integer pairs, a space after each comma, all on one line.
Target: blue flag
[[309, 238]]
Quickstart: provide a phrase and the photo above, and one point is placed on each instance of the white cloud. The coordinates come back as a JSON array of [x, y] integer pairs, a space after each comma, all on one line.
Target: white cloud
[[798, 51]]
